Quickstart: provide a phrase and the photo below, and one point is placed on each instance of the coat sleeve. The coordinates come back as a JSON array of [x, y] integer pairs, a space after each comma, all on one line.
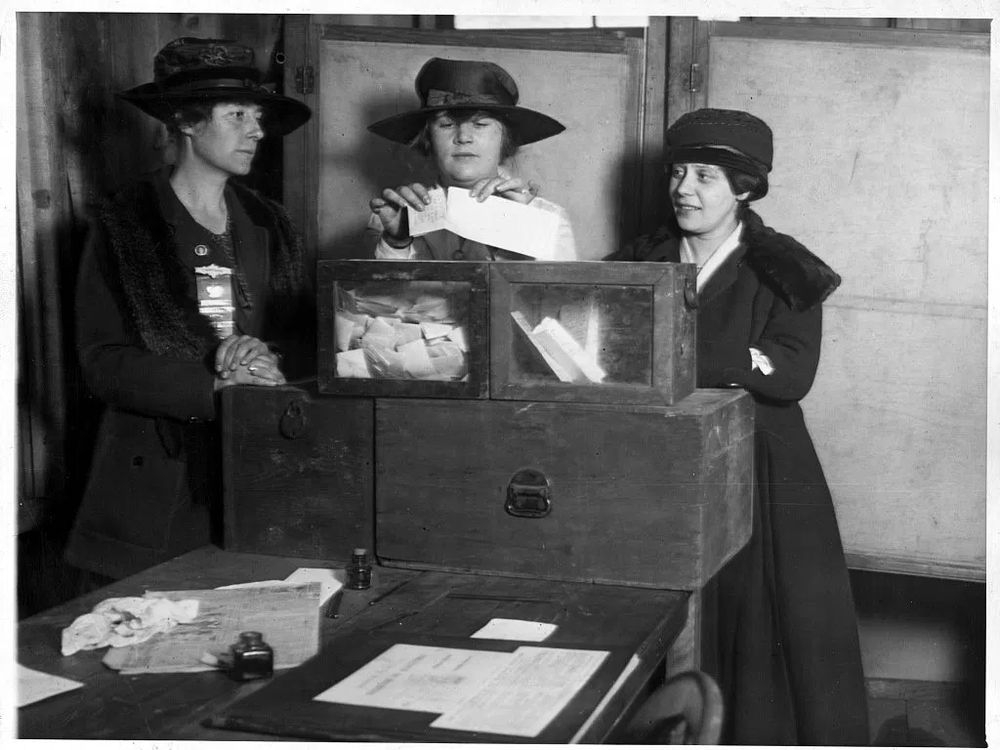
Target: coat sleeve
[[117, 367], [791, 340]]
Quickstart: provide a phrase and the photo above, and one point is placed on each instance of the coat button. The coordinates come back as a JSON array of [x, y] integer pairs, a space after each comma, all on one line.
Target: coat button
[[201, 250]]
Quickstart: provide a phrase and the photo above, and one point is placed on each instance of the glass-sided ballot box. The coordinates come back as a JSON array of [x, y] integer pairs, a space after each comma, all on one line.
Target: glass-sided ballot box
[[585, 332], [518, 418]]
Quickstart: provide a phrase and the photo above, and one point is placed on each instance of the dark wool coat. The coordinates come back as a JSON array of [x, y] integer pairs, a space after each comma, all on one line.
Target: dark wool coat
[[154, 489], [785, 634]]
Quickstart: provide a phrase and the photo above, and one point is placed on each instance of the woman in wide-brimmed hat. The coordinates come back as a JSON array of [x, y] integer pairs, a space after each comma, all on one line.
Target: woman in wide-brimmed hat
[[470, 124], [788, 658], [190, 283]]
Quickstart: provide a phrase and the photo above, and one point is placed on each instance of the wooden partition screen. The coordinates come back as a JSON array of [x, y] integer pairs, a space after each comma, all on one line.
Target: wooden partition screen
[[593, 82], [881, 168]]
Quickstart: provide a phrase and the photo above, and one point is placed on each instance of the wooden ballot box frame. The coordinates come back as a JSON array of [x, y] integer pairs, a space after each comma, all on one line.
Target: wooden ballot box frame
[[668, 289]]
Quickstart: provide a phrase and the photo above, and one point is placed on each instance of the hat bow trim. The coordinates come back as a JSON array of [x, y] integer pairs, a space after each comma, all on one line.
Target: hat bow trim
[[438, 98]]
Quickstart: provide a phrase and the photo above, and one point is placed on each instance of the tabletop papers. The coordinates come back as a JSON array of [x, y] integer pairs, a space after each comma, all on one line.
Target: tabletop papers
[[33, 686], [504, 629], [331, 580], [518, 227], [515, 693], [286, 615]]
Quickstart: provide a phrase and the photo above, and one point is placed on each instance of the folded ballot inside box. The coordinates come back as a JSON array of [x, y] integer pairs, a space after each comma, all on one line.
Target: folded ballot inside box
[[403, 328]]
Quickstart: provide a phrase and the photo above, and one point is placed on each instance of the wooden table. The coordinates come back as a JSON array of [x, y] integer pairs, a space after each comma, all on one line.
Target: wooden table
[[173, 706]]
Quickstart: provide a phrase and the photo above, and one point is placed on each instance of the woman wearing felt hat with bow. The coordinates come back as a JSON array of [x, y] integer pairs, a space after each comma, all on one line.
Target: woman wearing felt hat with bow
[[789, 661], [469, 123], [190, 283]]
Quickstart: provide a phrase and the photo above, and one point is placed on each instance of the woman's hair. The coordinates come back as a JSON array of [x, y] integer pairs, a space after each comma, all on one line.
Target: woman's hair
[[188, 113], [508, 145], [743, 182]]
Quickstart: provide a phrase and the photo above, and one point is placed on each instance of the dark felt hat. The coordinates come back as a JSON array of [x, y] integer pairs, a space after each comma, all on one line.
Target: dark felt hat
[[467, 85], [190, 70], [726, 137]]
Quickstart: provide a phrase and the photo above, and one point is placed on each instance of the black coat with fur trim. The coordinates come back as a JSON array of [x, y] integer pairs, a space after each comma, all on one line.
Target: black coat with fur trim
[[785, 649], [154, 486], [766, 295]]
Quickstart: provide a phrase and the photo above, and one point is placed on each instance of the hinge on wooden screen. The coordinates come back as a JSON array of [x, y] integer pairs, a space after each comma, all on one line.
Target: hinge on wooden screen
[[694, 78], [304, 79]]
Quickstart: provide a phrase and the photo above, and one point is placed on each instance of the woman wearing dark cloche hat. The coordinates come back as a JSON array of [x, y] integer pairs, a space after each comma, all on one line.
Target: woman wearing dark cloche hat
[[788, 657], [190, 283], [469, 123]]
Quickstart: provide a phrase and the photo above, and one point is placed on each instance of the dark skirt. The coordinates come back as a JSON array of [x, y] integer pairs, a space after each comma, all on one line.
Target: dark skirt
[[788, 657]]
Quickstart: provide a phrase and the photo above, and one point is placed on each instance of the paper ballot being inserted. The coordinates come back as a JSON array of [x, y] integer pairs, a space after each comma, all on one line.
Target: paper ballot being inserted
[[518, 227]]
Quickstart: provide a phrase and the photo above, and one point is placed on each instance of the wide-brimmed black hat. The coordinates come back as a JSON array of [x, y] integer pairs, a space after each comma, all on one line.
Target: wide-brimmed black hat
[[467, 85], [212, 70], [726, 137]]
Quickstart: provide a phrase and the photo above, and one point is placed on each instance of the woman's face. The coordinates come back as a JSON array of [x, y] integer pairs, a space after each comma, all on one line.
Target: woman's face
[[703, 200], [227, 141], [466, 150]]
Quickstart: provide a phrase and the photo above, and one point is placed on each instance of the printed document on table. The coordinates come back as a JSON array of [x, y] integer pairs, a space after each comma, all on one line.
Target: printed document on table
[[529, 693], [518, 227], [418, 678], [515, 693]]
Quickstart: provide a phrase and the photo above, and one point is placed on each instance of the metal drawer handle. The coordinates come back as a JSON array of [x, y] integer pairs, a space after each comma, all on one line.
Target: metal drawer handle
[[293, 422], [528, 495]]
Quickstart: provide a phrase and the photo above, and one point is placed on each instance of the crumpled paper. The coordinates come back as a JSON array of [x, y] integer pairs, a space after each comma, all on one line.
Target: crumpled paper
[[125, 621]]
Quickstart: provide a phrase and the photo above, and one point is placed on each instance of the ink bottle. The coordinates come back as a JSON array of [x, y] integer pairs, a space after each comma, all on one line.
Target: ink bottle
[[251, 657], [359, 572]]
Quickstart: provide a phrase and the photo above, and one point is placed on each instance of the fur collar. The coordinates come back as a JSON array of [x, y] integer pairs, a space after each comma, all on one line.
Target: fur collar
[[794, 273], [153, 282]]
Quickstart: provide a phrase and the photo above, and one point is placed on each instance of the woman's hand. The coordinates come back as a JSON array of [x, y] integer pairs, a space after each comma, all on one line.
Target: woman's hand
[[511, 188], [390, 204], [247, 357], [259, 372]]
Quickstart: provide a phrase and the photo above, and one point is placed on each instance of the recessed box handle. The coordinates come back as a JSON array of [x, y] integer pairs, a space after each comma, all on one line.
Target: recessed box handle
[[528, 495]]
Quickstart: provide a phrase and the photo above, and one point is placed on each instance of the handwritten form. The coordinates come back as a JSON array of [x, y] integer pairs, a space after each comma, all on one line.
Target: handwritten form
[[515, 693], [287, 615], [518, 227]]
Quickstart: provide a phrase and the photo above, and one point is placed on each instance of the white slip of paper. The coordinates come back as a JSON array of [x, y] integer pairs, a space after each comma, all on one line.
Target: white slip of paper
[[502, 628], [522, 699], [505, 224], [433, 216], [496, 221], [33, 686]]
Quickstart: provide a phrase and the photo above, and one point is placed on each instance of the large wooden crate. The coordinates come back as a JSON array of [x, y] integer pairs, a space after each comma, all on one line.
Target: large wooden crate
[[297, 472], [656, 496]]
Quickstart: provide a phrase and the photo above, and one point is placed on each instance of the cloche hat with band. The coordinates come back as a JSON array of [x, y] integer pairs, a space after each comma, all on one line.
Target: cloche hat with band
[[725, 137], [212, 70], [467, 85]]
